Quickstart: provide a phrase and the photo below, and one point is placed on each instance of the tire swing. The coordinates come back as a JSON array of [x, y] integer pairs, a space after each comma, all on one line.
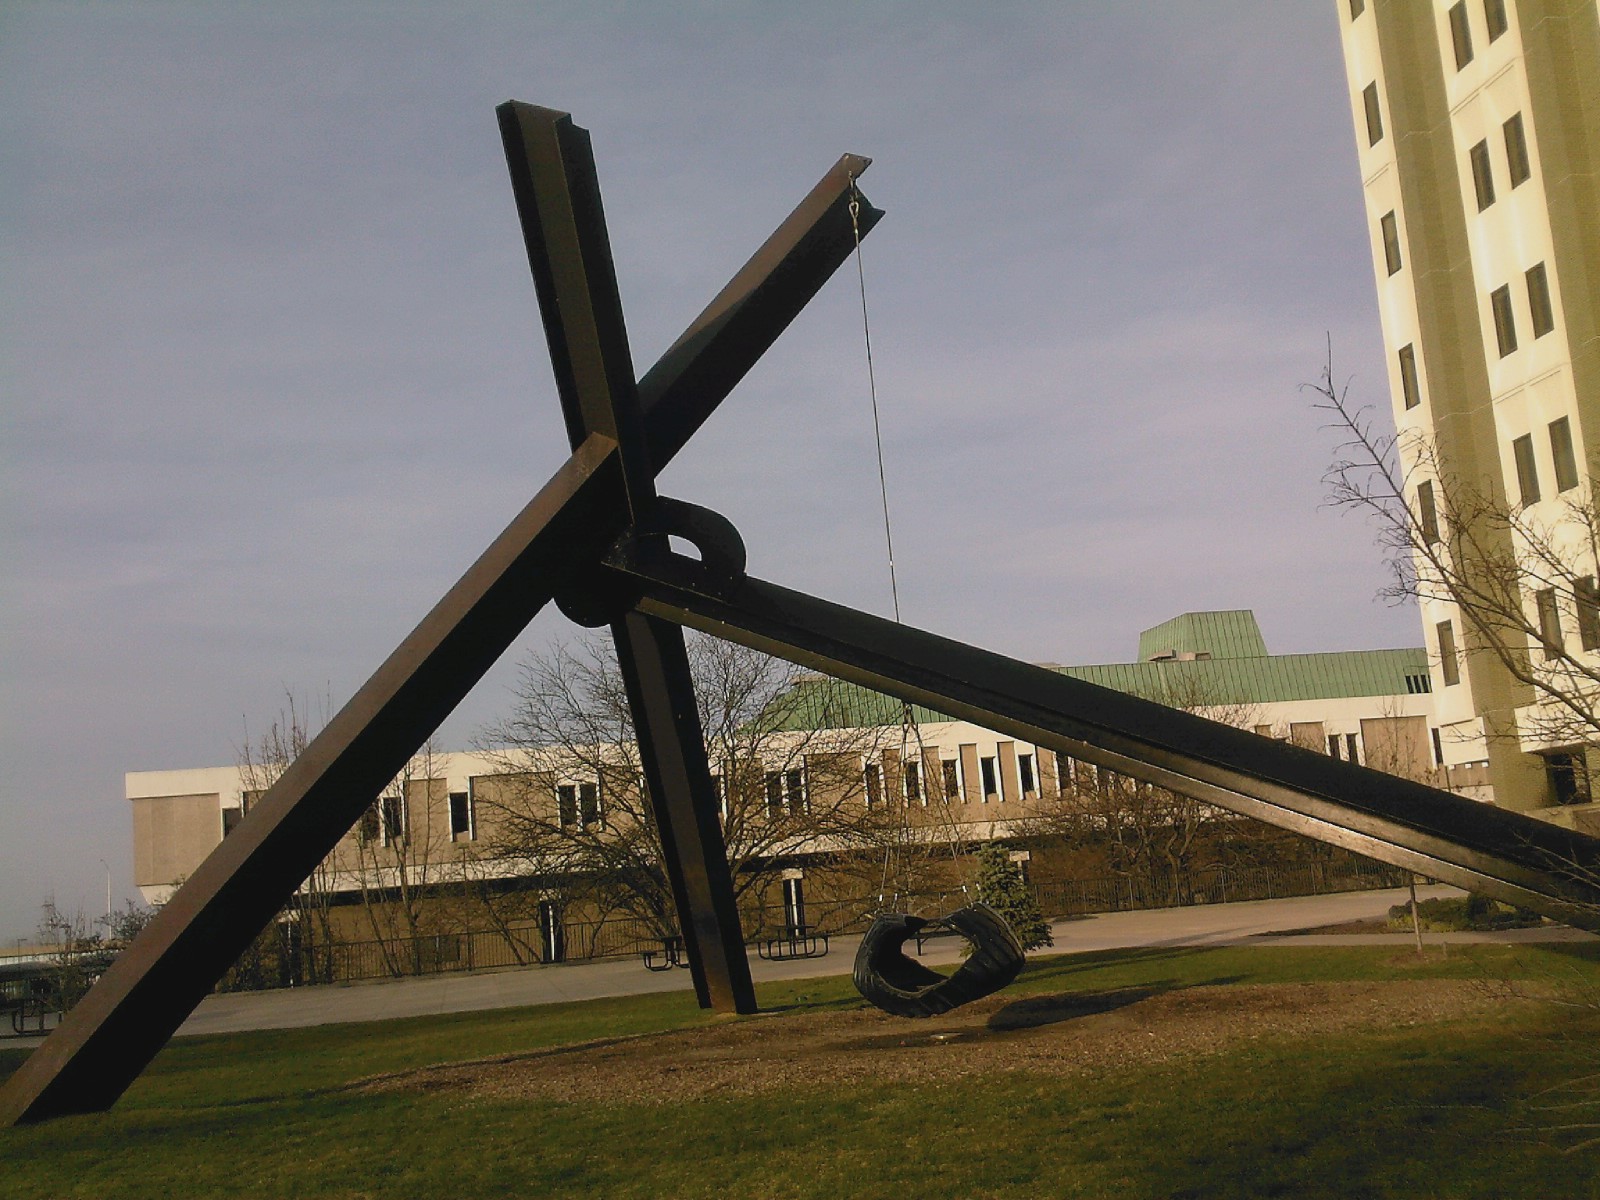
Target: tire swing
[[883, 974], [903, 987]]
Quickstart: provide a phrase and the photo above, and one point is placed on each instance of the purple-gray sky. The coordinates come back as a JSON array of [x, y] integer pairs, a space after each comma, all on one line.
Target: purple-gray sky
[[273, 374]]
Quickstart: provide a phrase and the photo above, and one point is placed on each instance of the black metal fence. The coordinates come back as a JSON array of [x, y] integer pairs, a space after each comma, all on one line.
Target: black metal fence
[[623, 937], [1213, 885]]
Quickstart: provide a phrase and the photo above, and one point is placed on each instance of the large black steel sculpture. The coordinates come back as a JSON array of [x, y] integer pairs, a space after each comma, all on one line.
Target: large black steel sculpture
[[594, 539]]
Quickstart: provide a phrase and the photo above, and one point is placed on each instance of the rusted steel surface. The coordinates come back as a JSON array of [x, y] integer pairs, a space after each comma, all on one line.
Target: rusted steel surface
[[1503, 854], [564, 226], [111, 1036]]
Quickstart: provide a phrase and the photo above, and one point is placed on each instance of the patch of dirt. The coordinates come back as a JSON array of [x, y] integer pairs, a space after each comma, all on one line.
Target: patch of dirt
[[1065, 1034], [1369, 925]]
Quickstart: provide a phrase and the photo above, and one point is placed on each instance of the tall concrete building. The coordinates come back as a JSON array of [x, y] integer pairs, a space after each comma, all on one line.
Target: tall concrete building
[[1478, 126]]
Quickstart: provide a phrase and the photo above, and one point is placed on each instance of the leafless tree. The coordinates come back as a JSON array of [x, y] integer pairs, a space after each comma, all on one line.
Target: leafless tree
[[262, 761], [1520, 577], [573, 809], [402, 862]]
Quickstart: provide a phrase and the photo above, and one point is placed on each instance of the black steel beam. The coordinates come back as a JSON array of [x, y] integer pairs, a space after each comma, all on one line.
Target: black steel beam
[[112, 1033], [563, 221], [1503, 854], [655, 671]]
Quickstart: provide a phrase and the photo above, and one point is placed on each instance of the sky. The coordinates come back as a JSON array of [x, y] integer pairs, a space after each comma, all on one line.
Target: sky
[[272, 376]]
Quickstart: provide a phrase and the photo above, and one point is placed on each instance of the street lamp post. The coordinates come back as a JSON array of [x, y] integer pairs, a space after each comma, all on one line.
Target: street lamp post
[[107, 866]]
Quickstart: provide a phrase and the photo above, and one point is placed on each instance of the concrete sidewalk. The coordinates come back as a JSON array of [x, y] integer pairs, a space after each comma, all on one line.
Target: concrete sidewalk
[[1252, 922]]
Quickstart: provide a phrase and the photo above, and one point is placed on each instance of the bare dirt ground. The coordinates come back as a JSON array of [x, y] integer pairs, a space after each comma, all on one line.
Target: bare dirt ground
[[1067, 1034]]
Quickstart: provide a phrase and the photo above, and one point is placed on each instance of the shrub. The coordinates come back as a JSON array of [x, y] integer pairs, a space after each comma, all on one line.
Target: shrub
[[1000, 885], [1450, 914]]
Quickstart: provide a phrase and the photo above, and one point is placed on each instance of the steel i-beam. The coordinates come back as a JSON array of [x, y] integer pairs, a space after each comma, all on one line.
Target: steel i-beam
[[112, 1034], [563, 222], [1503, 854]]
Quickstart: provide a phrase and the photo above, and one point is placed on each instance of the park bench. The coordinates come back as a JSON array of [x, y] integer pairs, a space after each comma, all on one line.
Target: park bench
[[933, 932], [666, 956], [796, 941]]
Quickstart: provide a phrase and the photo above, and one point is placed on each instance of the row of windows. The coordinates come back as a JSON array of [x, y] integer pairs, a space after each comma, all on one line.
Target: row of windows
[[1541, 313], [1561, 454], [1542, 316], [1552, 637], [914, 792], [1586, 607], [1518, 166], [1494, 19]]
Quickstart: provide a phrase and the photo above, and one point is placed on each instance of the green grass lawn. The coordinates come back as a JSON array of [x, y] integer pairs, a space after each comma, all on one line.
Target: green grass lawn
[[1434, 1110]]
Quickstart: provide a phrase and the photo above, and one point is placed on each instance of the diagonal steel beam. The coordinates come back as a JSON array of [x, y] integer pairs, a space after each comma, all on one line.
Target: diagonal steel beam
[[1503, 854], [110, 1037], [114, 1031], [563, 221]]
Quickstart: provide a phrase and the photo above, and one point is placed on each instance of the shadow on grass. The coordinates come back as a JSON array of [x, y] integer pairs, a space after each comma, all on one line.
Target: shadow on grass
[[1033, 1012]]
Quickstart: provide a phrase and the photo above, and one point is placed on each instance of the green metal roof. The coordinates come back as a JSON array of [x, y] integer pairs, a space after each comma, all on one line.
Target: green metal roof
[[1266, 679], [1231, 633], [822, 703]]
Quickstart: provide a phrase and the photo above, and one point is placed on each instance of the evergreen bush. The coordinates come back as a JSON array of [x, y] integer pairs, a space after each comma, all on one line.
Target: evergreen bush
[[1000, 885]]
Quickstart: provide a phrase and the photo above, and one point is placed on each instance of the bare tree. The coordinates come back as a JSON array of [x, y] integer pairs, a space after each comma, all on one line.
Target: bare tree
[[303, 932], [402, 864], [572, 807], [1155, 840], [1520, 577]]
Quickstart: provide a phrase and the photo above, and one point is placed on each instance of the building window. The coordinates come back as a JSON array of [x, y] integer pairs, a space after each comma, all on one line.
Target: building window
[[230, 820], [1494, 16], [566, 805], [719, 784], [1482, 174], [1408, 376], [913, 783], [461, 829], [991, 779], [1025, 771], [1333, 746], [1357, 7], [1505, 323], [1569, 777], [1449, 668], [1550, 637], [1391, 242], [1544, 319], [589, 805], [367, 827], [1561, 451], [786, 792], [1516, 150], [394, 818], [1460, 34], [1438, 748], [1427, 514], [872, 777], [1418, 685], [1352, 748], [952, 780], [1586, 599], [1369, 101], [794, 904], [1527, 469]]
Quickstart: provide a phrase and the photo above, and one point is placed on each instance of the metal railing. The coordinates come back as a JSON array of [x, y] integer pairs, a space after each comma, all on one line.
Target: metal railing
[[1212, 885], [625, 937]]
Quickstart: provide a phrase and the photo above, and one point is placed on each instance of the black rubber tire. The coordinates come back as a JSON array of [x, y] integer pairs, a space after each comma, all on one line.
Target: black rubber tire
[[899, 985]]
